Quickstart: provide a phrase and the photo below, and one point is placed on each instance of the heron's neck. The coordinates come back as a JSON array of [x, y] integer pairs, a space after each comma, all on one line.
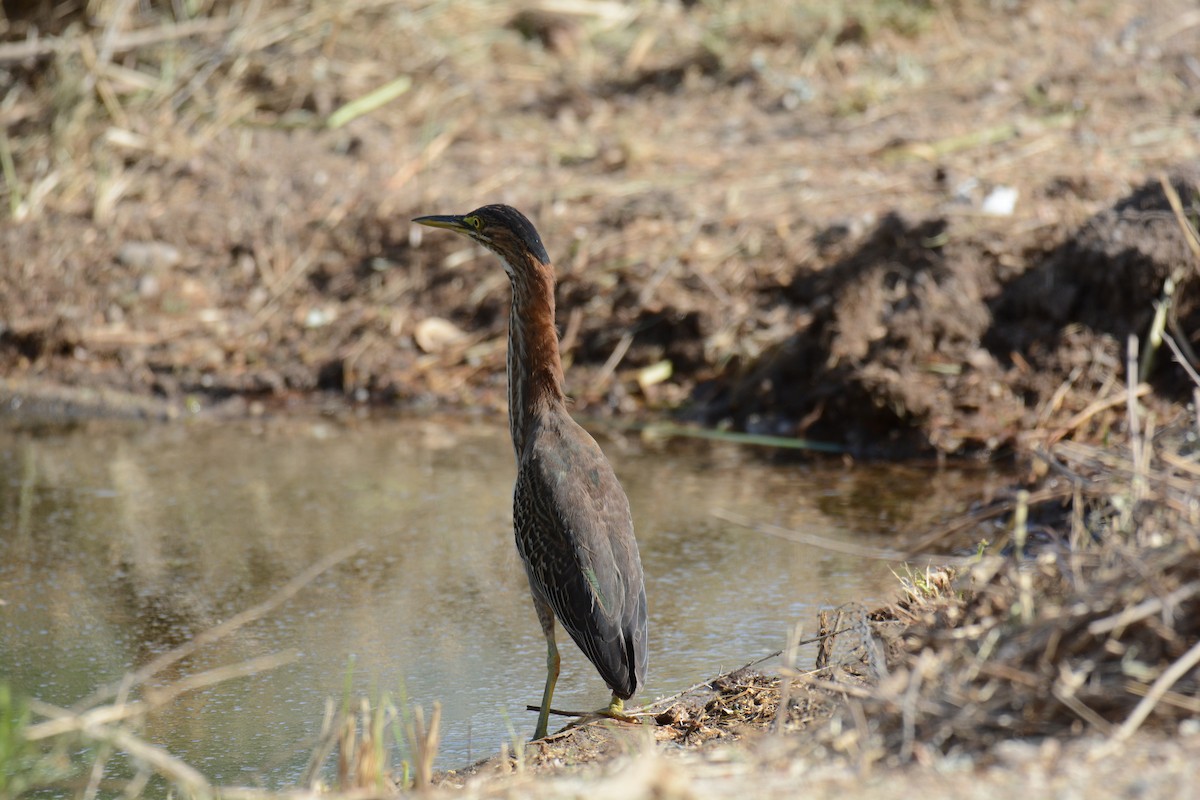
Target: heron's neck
[[535, 375]]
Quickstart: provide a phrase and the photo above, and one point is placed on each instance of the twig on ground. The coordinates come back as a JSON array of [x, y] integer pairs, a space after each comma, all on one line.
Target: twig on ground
[[1165, 681], [1095, 407], [663, 702], [1152, 605], [17, 52], [1189, 232]]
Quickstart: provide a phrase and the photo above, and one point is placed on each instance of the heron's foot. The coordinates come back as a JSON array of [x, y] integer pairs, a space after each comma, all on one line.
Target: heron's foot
[[616, 710]]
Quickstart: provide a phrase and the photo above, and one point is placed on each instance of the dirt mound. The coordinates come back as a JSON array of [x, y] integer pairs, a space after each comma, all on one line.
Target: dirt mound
[[923, 337], [886, 323], [1107, 276], [1071, 314]]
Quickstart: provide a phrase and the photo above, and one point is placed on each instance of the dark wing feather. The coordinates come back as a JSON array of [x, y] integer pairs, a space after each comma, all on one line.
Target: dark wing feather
[[575, 535]]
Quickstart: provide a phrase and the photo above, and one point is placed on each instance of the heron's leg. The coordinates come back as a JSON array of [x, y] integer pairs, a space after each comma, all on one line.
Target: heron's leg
[[546, 617]]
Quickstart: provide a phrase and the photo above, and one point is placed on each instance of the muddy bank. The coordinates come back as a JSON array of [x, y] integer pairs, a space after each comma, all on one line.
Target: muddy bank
[[914, 339], [1062, 659], [919, 338], [897, 229]]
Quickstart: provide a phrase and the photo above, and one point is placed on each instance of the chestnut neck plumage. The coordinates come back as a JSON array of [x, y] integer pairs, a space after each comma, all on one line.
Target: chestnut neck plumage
[[535, 374]]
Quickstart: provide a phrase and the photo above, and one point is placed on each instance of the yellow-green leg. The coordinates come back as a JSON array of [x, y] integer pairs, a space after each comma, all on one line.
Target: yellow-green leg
[[546, 617]]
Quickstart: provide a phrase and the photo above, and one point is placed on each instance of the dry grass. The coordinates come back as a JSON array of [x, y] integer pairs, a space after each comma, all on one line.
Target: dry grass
[[1083, 619]]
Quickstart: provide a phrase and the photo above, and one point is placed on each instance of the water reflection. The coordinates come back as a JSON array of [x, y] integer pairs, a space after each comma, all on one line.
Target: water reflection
[[119, 543]]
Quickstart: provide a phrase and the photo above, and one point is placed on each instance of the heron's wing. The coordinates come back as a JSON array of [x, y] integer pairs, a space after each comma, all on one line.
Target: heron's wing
[[575, 533]]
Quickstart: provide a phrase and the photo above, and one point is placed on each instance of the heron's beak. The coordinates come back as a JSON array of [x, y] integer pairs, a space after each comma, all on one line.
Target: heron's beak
[[452, 222]]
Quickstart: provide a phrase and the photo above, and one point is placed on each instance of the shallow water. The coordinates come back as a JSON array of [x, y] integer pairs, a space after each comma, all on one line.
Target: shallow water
[[118, 543]]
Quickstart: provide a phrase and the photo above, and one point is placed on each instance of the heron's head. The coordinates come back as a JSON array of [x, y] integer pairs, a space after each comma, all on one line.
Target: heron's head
[[502, 229]]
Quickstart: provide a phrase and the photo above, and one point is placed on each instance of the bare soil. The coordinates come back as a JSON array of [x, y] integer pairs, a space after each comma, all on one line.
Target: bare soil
[[783, 212]]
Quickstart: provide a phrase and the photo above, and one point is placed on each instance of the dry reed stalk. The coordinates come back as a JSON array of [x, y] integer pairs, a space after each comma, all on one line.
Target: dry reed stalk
[[105, 729], [1182, 358], [788, 666], [369, 760], [347, 747], [424, 742], [326, 740]]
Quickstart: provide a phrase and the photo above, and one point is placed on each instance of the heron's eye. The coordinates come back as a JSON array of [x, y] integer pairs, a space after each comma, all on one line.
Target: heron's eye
[[474, 221]]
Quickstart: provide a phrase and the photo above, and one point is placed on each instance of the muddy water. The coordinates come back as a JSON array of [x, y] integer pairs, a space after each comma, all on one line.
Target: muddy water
[[120, 543]]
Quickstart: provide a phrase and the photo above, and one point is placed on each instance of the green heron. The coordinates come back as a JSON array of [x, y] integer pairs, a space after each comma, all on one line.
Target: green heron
[[571, 517]]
